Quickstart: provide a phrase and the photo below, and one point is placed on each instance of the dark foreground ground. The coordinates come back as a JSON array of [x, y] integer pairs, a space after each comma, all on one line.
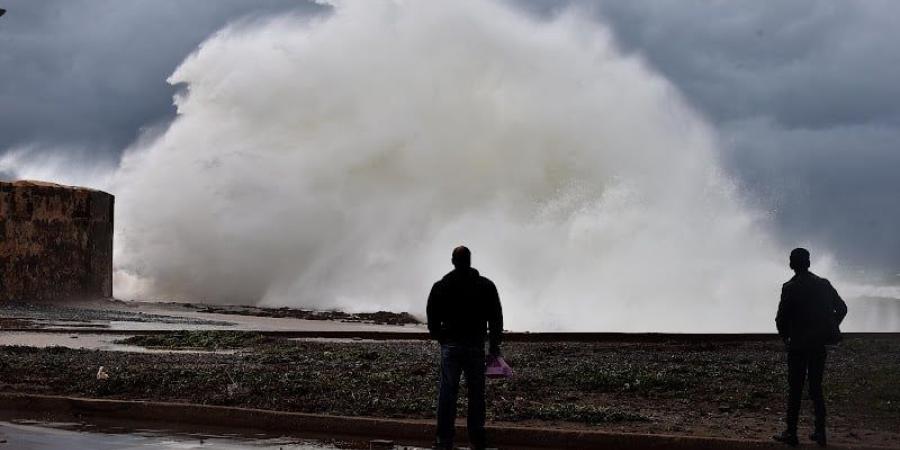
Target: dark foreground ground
[[29, 435], [675, 387]]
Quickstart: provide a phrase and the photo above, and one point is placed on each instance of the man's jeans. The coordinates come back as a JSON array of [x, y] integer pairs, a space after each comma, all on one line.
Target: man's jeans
[[457, 360], [803, 362]]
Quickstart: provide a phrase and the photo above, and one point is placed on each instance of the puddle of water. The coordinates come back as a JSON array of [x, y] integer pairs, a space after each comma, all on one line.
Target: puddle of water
[[104, 342], [50, 436], [150, 316], [142, 326], [34, 318], [33, 435], [44, 324]]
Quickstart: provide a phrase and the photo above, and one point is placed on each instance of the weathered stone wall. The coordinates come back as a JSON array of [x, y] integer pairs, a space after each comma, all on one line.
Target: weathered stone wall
[[55, 242]]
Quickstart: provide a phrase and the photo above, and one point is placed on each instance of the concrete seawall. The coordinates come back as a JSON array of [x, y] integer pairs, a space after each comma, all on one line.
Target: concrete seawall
[[56, 242]]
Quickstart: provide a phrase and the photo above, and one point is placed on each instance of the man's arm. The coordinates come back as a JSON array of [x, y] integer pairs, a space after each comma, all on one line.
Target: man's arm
[[433, 311], [495, 320], [837, 304], [781, 319]]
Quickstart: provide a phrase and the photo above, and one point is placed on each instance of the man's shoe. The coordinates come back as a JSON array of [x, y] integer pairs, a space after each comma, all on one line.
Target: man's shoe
[[819, 438], [787, 438]]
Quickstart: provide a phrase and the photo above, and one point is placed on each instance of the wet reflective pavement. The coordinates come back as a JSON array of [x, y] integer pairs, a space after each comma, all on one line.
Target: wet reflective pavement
[[28, 435], [104, 342], [40, 324]]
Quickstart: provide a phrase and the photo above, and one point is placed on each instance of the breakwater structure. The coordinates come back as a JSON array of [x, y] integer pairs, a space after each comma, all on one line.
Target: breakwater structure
[[56, 242]]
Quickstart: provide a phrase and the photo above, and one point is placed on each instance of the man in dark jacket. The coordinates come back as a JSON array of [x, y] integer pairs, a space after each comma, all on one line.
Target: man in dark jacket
[[808, 317], [461, 307]]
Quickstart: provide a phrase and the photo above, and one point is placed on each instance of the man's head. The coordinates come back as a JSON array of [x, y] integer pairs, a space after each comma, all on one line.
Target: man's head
[[800, 259], [462, 257]]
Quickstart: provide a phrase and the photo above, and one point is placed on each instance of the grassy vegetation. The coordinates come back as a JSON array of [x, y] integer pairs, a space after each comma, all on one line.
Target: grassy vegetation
[[588, 414], [668, 385], [198, 339]]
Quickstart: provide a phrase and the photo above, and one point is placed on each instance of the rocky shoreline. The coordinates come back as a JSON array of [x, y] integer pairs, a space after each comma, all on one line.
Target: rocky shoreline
[[378, 317]]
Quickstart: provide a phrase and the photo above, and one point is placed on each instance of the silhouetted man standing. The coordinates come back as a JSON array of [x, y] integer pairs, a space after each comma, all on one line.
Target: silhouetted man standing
[[462, 306], [808, 317]]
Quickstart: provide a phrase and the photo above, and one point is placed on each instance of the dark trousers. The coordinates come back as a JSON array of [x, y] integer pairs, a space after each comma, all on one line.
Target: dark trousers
[[459, 360], [800, 363]]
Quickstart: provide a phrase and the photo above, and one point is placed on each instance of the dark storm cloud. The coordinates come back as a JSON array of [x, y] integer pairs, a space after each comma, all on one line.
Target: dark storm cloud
[[806, 99], [834, 188], [804, 93], [86, 75], [806, 64]]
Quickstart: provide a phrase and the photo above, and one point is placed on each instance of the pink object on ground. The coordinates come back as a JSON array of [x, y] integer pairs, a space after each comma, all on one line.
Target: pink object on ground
[[496, 367]]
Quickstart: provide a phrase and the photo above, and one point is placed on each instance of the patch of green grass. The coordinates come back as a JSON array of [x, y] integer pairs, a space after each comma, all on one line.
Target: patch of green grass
[[634, 380], [588, 414], [200, 339], [886, 382]]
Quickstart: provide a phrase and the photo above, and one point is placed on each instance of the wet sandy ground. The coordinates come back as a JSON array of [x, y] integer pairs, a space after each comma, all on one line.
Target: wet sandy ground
[[105, 342], [119, 315], [109, 342], [26, 324]]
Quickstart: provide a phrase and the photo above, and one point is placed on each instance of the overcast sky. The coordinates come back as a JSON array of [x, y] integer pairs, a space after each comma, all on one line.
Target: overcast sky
[[804, 93]]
